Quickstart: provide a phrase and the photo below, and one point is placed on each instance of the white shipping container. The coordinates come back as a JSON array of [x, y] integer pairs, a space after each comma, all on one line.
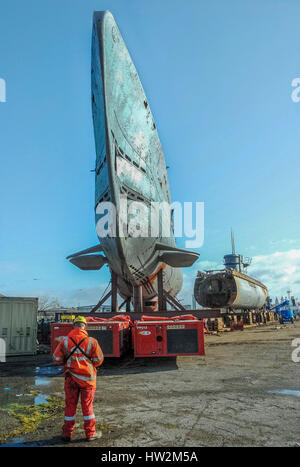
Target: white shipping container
[[18, 325]]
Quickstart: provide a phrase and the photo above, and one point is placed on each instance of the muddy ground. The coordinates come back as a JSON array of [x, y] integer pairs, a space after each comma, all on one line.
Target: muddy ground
[[237, 395]]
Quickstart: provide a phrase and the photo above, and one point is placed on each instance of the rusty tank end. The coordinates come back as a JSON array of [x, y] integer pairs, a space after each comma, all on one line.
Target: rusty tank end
[[229, 288]]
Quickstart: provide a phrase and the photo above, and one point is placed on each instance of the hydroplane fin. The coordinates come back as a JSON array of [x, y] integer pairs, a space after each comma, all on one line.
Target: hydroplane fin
[[176, 257], [89, 262], [92, 249]]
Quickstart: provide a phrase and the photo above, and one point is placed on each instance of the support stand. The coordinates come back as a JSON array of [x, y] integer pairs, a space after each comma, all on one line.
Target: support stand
[[113, 293], [138, 298], [163, 298], [162, 305]]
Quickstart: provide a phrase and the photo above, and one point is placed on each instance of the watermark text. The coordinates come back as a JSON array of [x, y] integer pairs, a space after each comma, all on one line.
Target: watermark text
[[295, 96], [154, 219], [296, 351], [2, 351], [2, 90]]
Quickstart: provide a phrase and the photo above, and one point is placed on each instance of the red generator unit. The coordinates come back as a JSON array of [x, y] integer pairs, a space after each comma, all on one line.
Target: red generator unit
[[168, 338], [113, 336]]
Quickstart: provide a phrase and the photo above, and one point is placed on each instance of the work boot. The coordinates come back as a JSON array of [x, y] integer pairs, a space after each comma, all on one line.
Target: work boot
[[96, 436], [66, 439]]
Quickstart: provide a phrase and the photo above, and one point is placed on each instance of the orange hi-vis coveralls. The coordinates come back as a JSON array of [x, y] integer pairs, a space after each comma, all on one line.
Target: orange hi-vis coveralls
[[80, 355]]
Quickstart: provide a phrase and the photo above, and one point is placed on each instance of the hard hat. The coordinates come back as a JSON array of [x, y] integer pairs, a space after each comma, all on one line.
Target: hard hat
[[80, 319]]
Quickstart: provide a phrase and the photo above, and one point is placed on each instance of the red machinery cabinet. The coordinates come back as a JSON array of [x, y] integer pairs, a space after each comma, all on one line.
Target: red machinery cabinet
[[113, 336], [168, 338], [58, 332]]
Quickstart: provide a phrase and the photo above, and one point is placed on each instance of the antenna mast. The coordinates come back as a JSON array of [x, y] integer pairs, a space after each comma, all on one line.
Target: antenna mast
[[232, 243]]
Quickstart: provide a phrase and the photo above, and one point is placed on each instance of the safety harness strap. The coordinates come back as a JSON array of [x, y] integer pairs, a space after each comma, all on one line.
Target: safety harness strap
[[77, 346]]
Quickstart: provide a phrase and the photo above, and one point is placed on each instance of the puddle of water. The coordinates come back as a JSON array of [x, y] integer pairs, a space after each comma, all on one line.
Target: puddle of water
[[18, 439], [51, 370], [42, 381], [22, 392], [288, 392], [41, 399], [18, 444], [13, 445]]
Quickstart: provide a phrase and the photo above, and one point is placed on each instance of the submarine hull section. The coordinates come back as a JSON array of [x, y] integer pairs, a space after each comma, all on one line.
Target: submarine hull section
[[129, 163], [229, 289]]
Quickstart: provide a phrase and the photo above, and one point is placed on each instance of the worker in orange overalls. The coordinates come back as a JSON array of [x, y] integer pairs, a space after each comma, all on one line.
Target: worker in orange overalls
[[80, 355]]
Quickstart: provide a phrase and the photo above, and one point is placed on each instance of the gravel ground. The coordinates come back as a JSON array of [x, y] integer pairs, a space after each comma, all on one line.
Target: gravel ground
[[237, 395]]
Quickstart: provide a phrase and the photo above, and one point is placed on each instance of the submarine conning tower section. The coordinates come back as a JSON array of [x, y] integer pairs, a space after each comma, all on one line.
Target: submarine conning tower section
[[237, 262]]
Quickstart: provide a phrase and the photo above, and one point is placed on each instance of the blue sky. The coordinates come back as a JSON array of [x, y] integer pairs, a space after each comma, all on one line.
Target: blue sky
[[218, 80]]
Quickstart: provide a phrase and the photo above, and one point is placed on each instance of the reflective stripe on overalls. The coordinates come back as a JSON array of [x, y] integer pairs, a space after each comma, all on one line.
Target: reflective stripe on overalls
[[72, 391], [78, 350]]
